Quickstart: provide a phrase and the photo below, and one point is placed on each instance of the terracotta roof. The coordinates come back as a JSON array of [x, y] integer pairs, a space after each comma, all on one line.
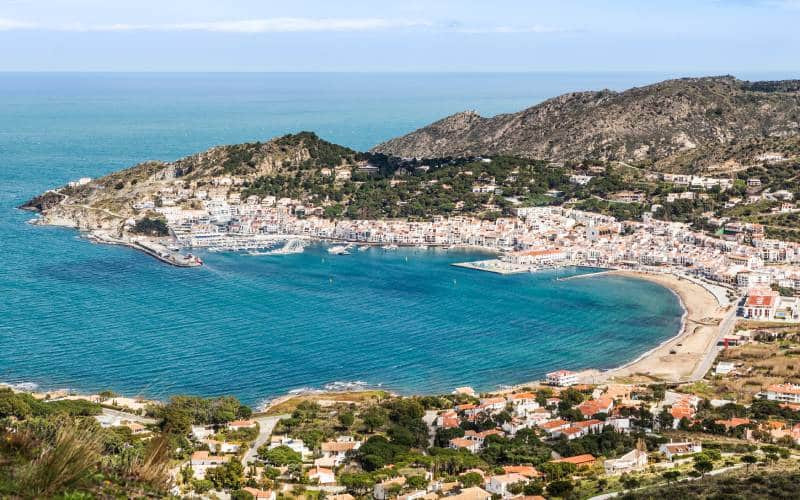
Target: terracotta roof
[[524, 470], [784, 388], [337, 446]]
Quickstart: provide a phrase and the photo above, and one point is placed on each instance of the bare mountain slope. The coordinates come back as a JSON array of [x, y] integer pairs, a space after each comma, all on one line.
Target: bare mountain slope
[[650, 124]]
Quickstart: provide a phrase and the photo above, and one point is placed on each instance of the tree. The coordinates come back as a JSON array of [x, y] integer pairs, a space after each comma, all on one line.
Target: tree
[[703, 466], [749, 460], [241, 495], [346, 419], [671, 475], [560, 488], [228, 476], [374, 417], [279, 456], [558, 470], [358, 484], [470, 479]]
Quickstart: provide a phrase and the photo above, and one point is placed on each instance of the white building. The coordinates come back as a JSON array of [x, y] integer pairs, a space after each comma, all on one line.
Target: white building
[[498, 485], [785, 393], [562, 378], [684, 448]]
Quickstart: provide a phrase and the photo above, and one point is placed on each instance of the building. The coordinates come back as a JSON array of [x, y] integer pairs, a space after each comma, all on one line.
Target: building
[[474, 493], [321, 475], [562, 378], [241, 424], [499, 484], [201, 461], [634, 460], [670, 450], [585, 460], [785, 393], [383, 490], [594, 406], [761, 304], [337, 450], [260, 494], [465, 444]]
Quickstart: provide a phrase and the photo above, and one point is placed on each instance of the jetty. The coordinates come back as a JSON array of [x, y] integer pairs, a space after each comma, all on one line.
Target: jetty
[[496, 266]]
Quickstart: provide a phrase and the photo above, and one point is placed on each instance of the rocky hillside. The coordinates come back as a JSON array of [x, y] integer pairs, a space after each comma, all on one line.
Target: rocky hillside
[[109, 200], [683, 124]]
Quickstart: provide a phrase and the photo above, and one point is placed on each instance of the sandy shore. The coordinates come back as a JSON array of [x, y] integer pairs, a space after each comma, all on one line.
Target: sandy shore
[[676, 359]]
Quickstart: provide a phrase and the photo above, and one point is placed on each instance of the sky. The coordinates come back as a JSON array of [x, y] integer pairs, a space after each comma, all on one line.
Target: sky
[[698, 36]]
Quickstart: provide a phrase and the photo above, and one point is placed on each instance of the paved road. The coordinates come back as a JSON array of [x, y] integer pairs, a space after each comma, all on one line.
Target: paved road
[[266, 425], [725, 328]]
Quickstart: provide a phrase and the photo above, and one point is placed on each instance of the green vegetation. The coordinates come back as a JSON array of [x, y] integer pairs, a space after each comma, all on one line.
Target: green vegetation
[[770, 485], [151, 227], [22, 406]]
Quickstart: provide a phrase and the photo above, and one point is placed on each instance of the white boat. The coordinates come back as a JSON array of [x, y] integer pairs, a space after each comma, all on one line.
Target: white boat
[[390, 247], [363, 248], [338, 250]]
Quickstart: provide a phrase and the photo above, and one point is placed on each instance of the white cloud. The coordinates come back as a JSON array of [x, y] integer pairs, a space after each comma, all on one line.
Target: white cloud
[[12, 24], [536, 28], [282, 25], [272, 25]]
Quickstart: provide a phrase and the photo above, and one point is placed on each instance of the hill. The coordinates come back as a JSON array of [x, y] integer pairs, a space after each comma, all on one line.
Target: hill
[[677, 125]]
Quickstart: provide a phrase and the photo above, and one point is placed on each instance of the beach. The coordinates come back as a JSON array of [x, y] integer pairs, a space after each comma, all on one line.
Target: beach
[[677, 359]]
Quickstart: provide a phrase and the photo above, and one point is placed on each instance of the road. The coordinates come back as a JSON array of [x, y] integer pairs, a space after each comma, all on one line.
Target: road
[[265, 427], [725, 328]]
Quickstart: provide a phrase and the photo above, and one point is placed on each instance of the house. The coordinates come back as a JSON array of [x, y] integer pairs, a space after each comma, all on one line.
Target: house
[[474, 493], [523, 470], [295, 444], [383, 490], [499, 484], [241, 424], [523, 402], [465, 444], [337, 450], [671, 449], [201, 461], [260, 494], [594, 406], [724, 368], [221, 446], [562, 378], [553, 427], [201, 432], [634, 460], [321, 475], [786, 393], [447, 420], [733, 423], [135, 427], [761, 304], [585, 460]]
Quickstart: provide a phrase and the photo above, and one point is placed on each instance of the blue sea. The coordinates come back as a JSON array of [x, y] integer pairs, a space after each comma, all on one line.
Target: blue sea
[[89, 317]]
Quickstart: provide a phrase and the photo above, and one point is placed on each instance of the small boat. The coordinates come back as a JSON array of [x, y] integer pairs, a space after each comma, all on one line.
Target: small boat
[[390, 247], [338, 250], [363, 248]]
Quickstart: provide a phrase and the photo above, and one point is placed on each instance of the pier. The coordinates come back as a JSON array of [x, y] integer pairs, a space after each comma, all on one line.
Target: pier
[[496, 266]]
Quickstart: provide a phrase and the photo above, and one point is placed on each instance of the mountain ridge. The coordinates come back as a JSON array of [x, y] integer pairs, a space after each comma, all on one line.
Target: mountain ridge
[[650, 124]]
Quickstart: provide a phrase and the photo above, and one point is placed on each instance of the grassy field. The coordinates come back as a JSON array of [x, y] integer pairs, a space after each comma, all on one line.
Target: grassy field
[[289, 404]]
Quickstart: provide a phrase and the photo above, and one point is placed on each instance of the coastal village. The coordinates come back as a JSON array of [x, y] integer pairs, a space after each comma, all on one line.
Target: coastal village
[[718, 402]]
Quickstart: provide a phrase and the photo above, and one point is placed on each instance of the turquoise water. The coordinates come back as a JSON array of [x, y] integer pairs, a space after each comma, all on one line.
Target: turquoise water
[[89, 317]]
